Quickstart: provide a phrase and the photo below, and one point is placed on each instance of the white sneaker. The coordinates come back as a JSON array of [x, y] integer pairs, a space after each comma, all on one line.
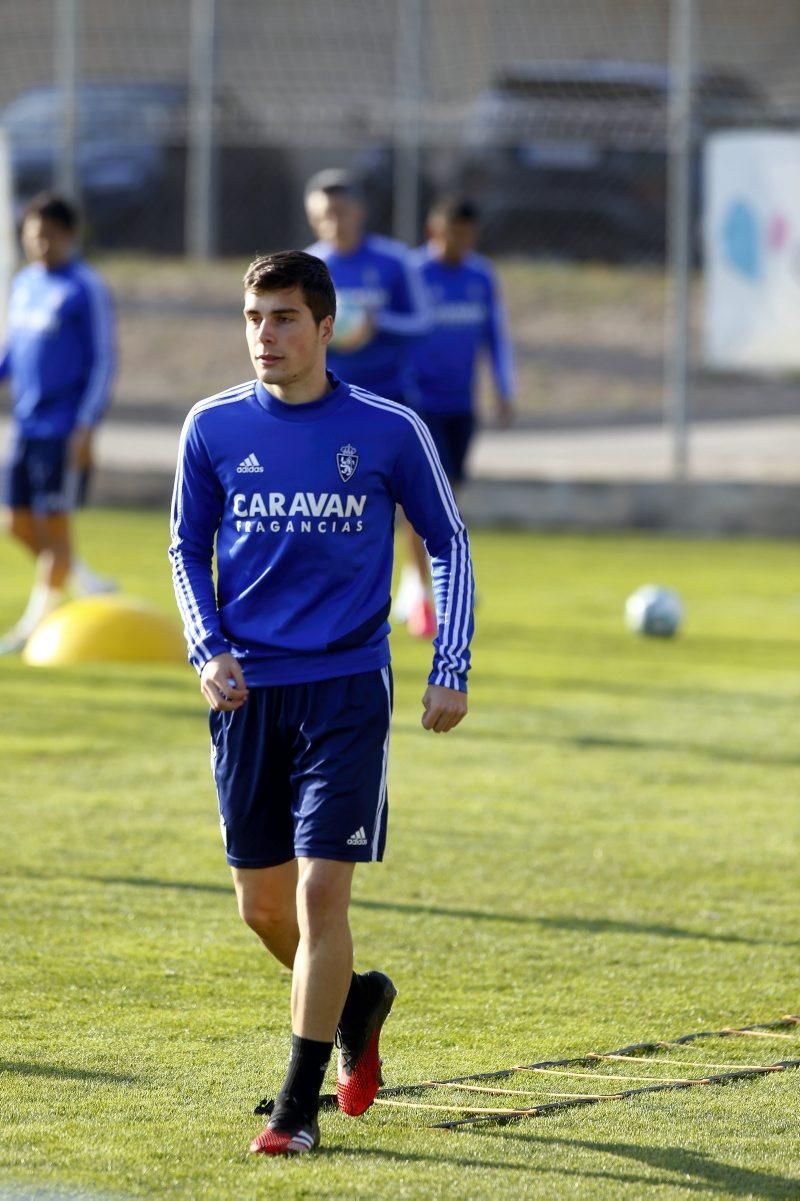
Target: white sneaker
[[86, 582], [99, 586], [13, 641], [41, 603]]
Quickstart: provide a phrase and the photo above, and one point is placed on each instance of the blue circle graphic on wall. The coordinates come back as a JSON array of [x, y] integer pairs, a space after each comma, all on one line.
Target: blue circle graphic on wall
[[741, 239]]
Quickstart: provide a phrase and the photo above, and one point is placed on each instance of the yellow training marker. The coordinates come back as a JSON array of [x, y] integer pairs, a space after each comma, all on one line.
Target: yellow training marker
[[111, 629]]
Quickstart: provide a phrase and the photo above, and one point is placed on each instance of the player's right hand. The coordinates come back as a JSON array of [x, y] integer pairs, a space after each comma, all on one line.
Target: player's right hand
[[222, 683]]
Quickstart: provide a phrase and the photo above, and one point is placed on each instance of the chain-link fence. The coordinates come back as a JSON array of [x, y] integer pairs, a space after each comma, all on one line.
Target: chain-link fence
[[552, 114]]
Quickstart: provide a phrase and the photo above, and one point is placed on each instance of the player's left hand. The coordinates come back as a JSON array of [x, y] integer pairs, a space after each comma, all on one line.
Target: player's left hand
[[80, 448], [444, 708]]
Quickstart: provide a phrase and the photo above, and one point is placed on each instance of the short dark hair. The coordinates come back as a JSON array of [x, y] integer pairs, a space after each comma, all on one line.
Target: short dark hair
[[455, 208], [50, 206], [294, 269], [335, 181]]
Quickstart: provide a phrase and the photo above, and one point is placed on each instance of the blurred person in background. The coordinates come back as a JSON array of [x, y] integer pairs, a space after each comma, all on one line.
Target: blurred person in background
[[59, 358], [381, 314], [468, 320]]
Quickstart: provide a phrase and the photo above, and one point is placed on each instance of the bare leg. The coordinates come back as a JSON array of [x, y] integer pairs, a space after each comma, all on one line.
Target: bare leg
[[54, 558], [323, 966], [21, 525], [415, 596], [267, 904], [418, 556], [47, 539]]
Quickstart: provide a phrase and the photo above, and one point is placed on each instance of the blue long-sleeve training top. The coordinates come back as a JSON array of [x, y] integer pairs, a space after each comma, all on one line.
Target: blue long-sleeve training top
[[298, 503], [60, 349], [467, 318], [378, 276]]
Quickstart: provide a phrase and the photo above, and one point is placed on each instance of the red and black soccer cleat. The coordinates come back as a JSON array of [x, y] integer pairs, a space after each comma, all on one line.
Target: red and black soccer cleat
[[358, 1076], [287, 1142]]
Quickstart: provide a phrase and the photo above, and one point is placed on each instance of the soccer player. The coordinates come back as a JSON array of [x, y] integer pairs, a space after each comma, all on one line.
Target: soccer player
[[60, 359], [467, 320], [382, 313], [291, 481]]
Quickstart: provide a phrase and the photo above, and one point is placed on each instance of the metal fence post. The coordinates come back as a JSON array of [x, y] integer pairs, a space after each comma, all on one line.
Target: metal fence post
[[66, 71], [679, 233], [201, 175], [8, 241], [409, 98]]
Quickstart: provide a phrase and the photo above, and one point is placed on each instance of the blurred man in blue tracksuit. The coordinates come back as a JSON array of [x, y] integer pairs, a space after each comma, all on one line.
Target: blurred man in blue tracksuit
[[59, 357], [468, 320]]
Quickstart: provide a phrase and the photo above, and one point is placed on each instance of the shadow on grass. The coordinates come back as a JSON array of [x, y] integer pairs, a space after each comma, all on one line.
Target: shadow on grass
[[607, 925], [56, 1072], [613, 641], [486, 1165], [358, 903], [599, 925], [148, 882], [723, 754], [633, 689], [610, 742], [704, 1173]]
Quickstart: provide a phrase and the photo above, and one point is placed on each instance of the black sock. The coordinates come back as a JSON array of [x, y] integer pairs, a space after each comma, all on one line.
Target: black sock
[[354, 1002], [299, 1093]]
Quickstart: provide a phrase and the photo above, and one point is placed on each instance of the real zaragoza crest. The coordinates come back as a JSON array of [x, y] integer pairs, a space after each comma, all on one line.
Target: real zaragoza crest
[[347, 461]]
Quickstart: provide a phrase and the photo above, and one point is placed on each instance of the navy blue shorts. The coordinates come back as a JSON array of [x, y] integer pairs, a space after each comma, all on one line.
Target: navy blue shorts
[[452, 434], [38, 475], [300, 770]]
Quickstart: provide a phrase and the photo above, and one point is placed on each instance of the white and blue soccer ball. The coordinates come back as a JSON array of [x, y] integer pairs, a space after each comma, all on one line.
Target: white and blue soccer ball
[[654, 611]]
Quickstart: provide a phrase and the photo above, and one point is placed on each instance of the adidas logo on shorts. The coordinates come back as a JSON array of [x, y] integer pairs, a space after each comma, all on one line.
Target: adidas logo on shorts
[[250, 464], [359, 839]]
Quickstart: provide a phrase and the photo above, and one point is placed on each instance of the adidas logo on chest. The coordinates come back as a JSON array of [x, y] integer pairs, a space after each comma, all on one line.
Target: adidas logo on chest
[[249, 466]]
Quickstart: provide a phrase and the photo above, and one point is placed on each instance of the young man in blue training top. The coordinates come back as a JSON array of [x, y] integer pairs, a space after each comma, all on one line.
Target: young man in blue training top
[[382, 314], [291, 480], [60, 359], [467, 320]]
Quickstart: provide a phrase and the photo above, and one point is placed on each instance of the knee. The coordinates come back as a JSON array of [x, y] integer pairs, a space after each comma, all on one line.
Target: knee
[[62, 556], [264, 915], [17, 524], [321, 903], [58, 541]]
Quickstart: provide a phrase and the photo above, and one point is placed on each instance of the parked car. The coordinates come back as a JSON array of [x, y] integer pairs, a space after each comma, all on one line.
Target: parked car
[[571, 157], [130, 161]]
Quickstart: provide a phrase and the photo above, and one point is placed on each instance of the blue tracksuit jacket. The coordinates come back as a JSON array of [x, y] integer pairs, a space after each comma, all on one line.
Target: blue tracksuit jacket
[[297, 502], [59, 351], [378, 276], [467, 319]]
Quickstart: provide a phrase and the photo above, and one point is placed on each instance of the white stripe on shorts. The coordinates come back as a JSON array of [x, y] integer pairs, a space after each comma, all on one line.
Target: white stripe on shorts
[[376, 832]]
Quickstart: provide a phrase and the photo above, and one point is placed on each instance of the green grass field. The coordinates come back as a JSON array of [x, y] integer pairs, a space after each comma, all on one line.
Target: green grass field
[[606, 852]]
